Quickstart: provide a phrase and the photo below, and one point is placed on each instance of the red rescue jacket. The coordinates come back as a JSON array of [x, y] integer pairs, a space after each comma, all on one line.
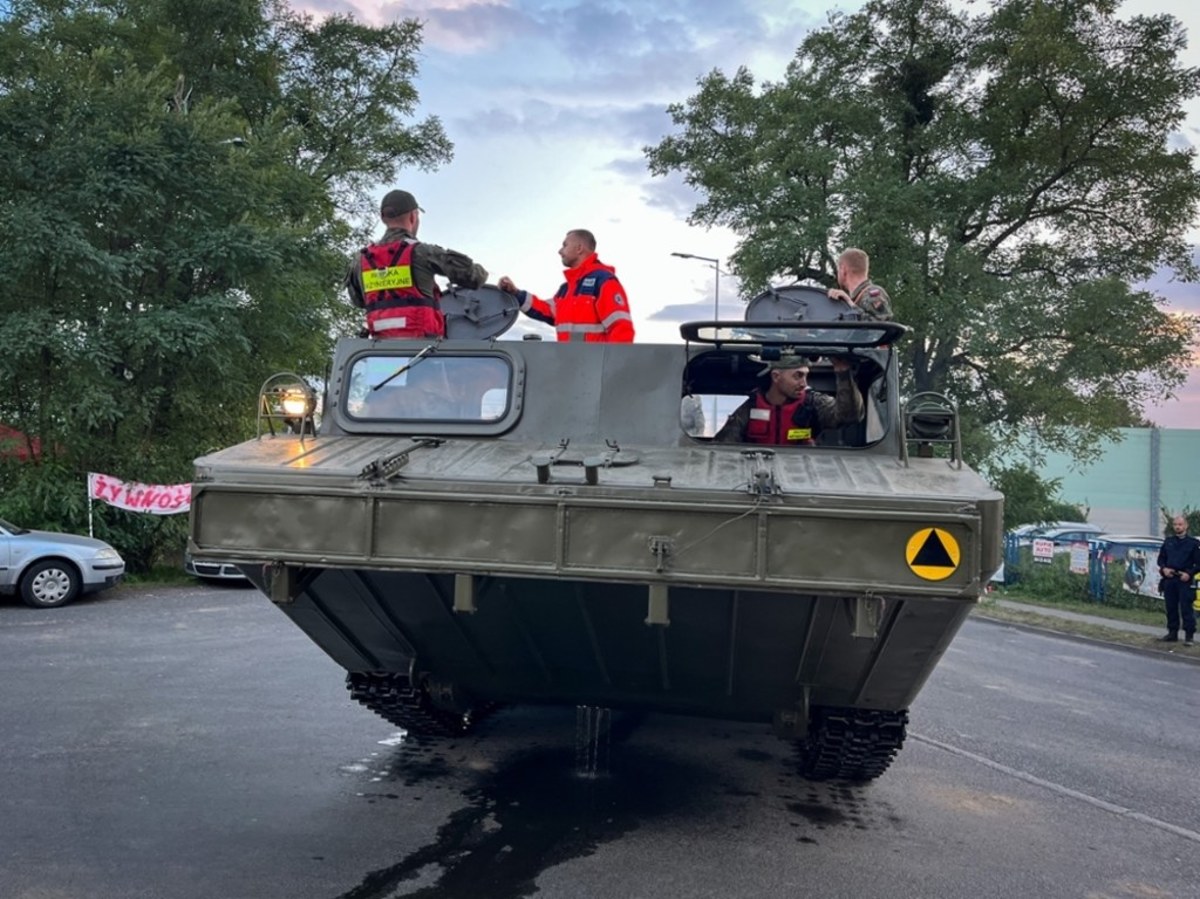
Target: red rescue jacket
[[590, 305]]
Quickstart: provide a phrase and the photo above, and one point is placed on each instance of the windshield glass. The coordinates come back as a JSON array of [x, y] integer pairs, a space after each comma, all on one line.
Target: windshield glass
[[11, 528], [434, 388]]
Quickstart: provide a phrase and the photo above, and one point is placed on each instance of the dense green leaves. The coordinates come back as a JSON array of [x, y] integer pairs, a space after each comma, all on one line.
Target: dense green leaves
[[1013, 175], [1028, 499], [171, 178]]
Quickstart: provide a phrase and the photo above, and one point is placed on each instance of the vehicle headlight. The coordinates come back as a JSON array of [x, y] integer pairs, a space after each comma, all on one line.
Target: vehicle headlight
[[107, 554]]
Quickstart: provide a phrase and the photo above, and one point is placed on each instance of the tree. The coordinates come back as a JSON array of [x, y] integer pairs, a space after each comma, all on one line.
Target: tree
[[1012, 174], [1031, 499], [171, 178]]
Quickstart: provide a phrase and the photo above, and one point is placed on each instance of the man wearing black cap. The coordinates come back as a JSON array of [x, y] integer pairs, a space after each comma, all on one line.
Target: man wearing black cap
[[393, 278]]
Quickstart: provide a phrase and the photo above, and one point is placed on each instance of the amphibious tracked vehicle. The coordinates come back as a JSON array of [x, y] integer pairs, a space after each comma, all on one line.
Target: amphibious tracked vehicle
[[480, 522]]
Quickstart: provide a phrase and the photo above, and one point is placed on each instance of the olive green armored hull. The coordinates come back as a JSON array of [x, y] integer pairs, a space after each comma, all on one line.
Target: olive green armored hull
[[563, 541]]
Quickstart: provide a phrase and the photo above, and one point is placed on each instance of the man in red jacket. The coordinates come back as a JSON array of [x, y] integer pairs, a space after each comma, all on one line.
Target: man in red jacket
[[590, 305]]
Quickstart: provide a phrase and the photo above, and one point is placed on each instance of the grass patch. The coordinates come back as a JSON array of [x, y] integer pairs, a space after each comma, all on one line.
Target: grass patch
[[1030, 616], [1098, 609], [159, 576]]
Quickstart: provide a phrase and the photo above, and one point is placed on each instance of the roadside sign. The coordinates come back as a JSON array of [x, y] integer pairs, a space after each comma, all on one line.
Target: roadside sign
[[1043, 550], [1079, 558]]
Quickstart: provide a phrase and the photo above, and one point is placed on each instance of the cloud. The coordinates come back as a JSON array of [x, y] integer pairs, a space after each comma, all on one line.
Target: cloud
[[678, 313], [471, 28], [670, 193], [1181, 296], [583, 53], [1181, 412], [539, 120]]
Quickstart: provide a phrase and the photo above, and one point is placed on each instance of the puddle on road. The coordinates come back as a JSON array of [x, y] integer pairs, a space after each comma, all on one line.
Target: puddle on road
[[593, 728], [534, 811], [546, 805]]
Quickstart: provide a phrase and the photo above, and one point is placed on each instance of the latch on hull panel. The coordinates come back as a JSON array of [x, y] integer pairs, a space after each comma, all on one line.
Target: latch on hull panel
[[867, 612], [282, 583]]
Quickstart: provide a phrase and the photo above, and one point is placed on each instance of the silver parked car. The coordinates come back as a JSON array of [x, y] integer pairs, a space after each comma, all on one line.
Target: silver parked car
[[49, 569]]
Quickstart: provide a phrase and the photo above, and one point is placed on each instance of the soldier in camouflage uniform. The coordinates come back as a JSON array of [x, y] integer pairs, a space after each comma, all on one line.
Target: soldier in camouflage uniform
[[412, 306], [856, 288], [787, 412]]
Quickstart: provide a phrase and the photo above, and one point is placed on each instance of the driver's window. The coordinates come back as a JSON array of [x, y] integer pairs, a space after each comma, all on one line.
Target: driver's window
[[718, 382]]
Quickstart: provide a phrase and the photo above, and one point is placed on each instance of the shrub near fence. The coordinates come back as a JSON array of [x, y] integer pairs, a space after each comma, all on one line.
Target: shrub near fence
[[1054, 581]]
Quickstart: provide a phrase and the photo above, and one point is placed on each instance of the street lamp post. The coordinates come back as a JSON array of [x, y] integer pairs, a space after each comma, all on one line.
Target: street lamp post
[[716, 264]]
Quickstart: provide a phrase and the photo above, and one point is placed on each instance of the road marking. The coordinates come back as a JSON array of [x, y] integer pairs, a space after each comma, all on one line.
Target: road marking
[[1115, 809]]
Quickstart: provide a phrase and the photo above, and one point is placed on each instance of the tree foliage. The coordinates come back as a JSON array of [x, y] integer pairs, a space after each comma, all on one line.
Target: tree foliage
[[171, 177], [1031, 499], [1013, 174]]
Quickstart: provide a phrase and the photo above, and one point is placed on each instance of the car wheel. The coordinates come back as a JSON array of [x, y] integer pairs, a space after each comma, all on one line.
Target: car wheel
[[49, 584]]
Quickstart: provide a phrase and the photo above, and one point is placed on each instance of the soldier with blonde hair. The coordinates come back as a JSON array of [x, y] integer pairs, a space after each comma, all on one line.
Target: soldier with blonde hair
[[855, 286]]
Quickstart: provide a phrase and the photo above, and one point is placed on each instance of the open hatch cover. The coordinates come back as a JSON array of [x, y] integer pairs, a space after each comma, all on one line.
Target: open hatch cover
[[480, 313], [797, 316]]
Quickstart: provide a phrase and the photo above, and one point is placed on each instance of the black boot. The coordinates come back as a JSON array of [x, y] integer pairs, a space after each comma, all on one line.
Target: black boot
[[1172, 637], [1188, 639]]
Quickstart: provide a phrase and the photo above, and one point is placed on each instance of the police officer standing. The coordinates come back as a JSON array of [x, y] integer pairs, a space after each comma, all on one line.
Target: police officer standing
[[856, 288], [393, 278], [1178, 563]]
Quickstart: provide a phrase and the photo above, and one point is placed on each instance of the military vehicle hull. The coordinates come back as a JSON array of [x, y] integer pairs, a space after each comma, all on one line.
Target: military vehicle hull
[[576, 548]]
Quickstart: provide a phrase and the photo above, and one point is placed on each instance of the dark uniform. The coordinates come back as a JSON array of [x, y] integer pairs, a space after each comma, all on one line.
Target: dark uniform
[[873, 301], [1183, 555], [826, 412]]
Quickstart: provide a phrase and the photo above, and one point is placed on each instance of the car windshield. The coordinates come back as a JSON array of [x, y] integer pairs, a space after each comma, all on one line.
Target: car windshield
[[12, 528]]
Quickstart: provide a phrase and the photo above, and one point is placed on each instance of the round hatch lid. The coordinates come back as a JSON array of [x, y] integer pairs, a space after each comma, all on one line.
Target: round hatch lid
[[799, 303], [479, 313]]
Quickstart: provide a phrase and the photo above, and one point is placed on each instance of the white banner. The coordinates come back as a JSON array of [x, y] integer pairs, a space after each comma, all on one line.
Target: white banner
[[157, 499]]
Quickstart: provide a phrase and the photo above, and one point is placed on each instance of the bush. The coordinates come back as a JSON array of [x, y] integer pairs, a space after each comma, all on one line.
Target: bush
[[1051, 580], [1054, 581], [49, 496]]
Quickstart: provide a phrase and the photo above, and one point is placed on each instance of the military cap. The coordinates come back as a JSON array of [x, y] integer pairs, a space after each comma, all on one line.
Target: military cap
[[397, 203], [784, 362]]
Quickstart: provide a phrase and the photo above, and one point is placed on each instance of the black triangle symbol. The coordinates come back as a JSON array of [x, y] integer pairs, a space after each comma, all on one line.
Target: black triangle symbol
[[933, 554]]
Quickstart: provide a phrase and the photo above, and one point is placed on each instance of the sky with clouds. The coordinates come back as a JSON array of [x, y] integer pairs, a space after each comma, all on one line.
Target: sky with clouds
[[550, 103]]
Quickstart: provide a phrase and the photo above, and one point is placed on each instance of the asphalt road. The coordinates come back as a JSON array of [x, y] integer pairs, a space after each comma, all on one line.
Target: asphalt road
[[190, 742]]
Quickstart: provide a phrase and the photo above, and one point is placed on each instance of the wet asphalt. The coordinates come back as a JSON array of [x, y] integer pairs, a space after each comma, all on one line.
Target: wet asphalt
[[190, 742]]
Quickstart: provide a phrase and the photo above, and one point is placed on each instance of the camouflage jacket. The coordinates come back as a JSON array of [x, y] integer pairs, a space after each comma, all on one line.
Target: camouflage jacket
[[873, 301], [428, 260]]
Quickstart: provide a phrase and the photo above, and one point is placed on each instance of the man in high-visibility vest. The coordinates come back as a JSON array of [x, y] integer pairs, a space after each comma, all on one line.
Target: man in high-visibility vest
[[787, 412], [393, 278], [591, 305]]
